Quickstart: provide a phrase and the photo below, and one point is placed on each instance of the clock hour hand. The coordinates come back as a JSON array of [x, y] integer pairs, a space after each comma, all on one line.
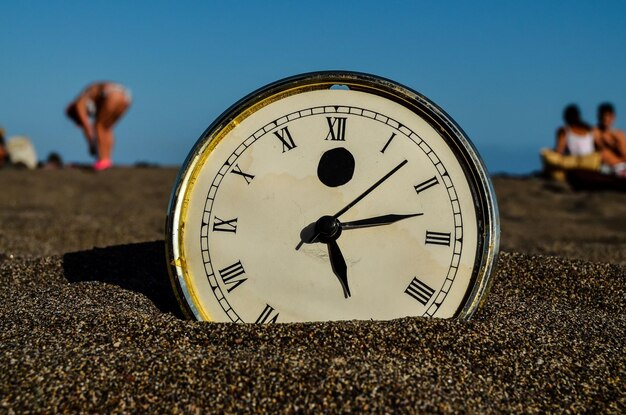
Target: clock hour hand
[[338, 263], [376, 221]]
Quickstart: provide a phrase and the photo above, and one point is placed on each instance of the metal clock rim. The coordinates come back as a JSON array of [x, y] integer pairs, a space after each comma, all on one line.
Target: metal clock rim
[[473, 166]]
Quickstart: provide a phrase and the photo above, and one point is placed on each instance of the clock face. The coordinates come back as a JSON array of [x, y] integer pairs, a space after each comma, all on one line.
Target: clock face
[[308, 202]]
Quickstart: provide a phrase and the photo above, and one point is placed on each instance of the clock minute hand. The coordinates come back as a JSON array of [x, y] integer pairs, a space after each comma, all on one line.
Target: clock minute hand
[[369, 190], [376, 221]]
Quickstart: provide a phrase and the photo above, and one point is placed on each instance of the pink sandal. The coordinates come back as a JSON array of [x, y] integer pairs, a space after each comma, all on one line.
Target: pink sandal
[[102, 165]]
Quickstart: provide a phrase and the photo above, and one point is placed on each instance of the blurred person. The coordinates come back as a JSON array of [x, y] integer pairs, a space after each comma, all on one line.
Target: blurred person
[[53, 162], [96, 110], [576, 137], [4, 154], [611, 141]]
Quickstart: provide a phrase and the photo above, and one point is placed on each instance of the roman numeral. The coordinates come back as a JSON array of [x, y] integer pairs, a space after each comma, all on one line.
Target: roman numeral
[[268, 315], [388, 142], [438, 238], [237, 170], [426, 185], [230, 273], [285, 137], [337, 128], [229, 225], [419, 291]]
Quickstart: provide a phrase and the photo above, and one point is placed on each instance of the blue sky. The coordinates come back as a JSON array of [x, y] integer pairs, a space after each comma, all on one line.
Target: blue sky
[[503, 70]]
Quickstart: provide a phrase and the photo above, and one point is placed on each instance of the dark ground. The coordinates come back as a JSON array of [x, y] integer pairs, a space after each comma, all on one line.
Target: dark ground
[[88, 322]]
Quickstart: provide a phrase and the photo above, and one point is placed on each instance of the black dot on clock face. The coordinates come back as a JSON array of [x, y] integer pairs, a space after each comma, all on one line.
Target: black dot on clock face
[[336, 167]]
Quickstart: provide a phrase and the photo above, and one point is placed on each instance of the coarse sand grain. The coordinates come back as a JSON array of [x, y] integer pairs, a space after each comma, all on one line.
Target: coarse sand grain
[[89, 323]]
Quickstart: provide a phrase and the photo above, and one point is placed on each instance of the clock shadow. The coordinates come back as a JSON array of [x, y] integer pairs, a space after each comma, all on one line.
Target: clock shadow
[[139, 267]]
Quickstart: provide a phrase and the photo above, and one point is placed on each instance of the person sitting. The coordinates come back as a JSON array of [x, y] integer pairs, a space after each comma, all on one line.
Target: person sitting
[[611, 142], [53, 162], [576, 137], [575, 147]]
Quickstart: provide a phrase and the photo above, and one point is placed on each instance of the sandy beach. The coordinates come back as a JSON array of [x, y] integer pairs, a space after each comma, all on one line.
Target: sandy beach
[[89, 323]]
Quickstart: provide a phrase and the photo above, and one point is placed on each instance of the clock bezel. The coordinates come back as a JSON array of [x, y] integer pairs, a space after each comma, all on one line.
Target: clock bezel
[[485, 202]]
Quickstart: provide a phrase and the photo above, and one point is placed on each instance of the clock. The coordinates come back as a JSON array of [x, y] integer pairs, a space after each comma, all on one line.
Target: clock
[[332, 196]]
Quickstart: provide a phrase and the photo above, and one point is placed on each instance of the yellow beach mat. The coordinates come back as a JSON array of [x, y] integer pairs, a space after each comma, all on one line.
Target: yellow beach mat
[[555, 164]]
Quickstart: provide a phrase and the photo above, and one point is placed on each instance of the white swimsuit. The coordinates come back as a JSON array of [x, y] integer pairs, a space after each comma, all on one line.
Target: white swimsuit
[[110, 87], [106, 90], [579, 145]]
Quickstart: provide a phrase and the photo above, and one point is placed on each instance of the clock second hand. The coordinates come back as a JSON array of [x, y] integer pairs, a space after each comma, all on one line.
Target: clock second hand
[[357, 200]]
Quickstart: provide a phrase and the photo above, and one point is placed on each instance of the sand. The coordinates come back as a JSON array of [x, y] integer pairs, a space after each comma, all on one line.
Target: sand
[[89, 324]]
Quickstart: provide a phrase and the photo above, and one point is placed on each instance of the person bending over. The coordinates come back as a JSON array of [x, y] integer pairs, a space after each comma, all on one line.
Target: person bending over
[[96, 110]]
